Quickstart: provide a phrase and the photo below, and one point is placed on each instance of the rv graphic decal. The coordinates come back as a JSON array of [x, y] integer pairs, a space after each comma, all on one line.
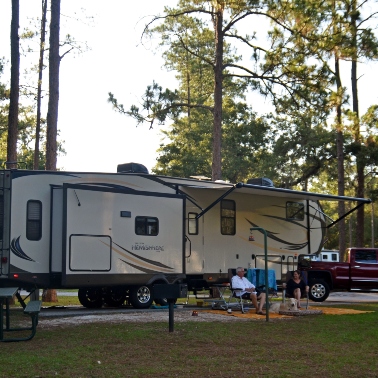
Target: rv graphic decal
[[152, 262], [144, 270], [107, 185], [141, 263], [17, 250], [270, 235], [143, 247]]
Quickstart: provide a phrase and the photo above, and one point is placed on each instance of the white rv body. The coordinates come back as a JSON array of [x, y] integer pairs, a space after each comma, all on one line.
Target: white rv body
[[81, 230]]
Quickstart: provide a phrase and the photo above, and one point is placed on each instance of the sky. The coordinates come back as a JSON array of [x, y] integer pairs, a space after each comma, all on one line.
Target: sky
[[96, 138]]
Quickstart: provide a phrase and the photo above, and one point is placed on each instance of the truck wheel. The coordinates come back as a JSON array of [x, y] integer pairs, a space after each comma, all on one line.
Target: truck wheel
[[319, 290], [140, 297], [90, 297], [115, 297]]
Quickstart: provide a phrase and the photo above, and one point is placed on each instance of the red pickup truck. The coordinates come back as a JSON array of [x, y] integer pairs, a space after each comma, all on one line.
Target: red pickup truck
[[358, 273]]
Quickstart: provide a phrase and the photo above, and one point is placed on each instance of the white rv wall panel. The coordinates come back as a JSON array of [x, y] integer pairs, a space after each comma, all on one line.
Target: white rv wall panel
[[99, 218]]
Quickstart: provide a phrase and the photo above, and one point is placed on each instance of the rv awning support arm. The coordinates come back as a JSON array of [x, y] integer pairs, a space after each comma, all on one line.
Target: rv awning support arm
[[346, 214], [204, 211]]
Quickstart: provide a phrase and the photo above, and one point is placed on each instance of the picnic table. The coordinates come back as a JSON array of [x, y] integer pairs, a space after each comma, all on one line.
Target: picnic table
[[32, 308]]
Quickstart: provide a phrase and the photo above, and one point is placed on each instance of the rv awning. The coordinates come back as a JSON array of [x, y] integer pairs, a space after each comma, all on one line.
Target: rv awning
[[260, 190], [294, 195], [226, 189]]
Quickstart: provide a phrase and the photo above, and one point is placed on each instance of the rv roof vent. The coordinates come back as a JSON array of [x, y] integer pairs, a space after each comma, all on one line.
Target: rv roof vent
[[200, 177], [132, 168], [262, 181]]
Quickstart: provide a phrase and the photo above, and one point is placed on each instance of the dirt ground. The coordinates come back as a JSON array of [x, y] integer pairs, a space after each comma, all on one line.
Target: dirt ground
[[181, 315]]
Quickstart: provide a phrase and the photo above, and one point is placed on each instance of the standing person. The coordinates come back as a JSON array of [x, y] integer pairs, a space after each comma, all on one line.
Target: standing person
[[295, 287], [248, 290]]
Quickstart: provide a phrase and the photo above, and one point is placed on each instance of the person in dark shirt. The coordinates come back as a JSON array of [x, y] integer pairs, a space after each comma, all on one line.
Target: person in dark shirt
[[295, 287]]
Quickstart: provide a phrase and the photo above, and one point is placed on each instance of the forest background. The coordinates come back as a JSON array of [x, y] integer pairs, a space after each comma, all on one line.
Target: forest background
[[284, 106]]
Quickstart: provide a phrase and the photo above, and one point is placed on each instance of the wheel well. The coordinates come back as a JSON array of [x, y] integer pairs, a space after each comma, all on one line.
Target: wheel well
[[320, 275], [159, 281]]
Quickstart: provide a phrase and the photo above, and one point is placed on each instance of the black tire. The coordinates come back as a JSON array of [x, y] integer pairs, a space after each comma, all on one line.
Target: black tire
[[163, 301], [141, 297], [115, 297], [319, 290], [90, 297]]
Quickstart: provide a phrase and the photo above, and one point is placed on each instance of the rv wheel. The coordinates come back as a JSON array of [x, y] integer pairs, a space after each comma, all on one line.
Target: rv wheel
[[115, 297], [140, 297], [90, 297]]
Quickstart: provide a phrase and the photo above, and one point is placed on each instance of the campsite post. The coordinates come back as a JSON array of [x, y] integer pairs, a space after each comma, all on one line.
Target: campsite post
[[266, 268]]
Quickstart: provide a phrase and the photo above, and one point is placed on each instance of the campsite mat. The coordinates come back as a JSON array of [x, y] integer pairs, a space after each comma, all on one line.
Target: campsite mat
[[252, 314]]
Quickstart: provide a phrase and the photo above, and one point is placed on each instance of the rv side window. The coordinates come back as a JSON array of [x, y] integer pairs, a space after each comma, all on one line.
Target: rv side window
[[34, 220], [294, 210], [192, 224], [228, 217], [146, 226]]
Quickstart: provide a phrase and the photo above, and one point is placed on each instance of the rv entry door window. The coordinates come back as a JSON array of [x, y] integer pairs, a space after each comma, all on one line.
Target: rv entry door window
[[228, 217], [192, 224]]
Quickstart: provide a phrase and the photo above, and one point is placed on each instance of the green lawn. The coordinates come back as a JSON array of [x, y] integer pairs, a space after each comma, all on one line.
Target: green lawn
[[307, 346]]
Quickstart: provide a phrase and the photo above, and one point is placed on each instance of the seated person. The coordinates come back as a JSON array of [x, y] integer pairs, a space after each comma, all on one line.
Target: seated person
[[295, 286], [248, 290]]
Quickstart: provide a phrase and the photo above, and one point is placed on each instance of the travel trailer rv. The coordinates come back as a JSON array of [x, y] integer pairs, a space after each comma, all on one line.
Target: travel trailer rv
[[115, 235]]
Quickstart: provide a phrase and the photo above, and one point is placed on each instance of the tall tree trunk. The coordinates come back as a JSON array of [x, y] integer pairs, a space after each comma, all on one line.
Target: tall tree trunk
[[218, 89], [15, 86], [340, 158], [52, 112], [360, 228], [39, 91]]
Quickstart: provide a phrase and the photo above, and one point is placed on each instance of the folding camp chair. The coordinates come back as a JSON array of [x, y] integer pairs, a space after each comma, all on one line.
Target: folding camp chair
[[304, 293], [235, 300]]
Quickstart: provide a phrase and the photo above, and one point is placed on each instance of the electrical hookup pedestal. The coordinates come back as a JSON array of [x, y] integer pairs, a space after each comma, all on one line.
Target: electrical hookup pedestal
[[170, 292]]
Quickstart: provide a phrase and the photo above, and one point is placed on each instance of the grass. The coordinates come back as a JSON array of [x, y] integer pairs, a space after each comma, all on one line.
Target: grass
[[309, 346]]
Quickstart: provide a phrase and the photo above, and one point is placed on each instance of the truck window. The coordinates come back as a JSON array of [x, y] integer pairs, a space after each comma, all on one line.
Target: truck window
[[228, 217], [192, 224], [34, 220], [367, 257], [146, 226], [294, 210]]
